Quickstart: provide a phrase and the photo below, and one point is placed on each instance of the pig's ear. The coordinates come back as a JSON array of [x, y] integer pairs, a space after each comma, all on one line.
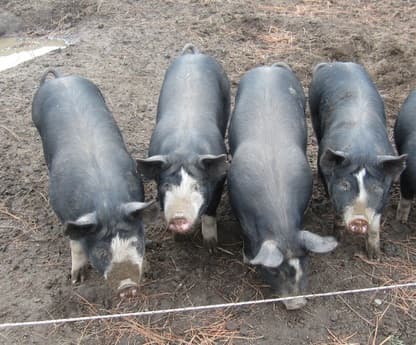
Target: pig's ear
[[393, 165], [330, 159], [269, 255], [83, 226], [216, 166], [147, 211], [316, 243], [150, 167]]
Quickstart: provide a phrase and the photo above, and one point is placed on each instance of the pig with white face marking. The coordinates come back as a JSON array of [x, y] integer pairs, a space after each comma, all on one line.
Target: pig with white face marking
[[405, 139], [93, 185], [355, 159], [187, 153], [270, 180]]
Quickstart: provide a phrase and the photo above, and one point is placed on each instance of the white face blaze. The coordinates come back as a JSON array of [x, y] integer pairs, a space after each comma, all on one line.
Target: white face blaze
[[183, 201], [124, 253], [300, 302], [295, 263], [359, 210], [124, 249]]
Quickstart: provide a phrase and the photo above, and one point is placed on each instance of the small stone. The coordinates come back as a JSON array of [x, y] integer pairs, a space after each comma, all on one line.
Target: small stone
[[100, 26], [378, 301]]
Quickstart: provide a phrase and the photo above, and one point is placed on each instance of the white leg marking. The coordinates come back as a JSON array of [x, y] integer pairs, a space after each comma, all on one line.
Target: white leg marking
[[373, 237], [79, 260], [185, 200], [209, 228], [246, 260], [403, 209]]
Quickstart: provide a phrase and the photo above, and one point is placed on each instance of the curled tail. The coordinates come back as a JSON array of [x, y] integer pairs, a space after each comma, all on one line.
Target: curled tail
[[191, 48], [55, 73], [282, 64]]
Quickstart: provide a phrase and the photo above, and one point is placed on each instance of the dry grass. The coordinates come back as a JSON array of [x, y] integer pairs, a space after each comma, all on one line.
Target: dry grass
[[339, 340], [334, 339], [11, 220], [276, 35], [204, 328], [398, 270], [370, 13], [209, 329]]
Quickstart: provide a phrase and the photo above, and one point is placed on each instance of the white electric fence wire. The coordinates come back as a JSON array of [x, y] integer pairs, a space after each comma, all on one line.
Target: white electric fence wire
[[203, 307]]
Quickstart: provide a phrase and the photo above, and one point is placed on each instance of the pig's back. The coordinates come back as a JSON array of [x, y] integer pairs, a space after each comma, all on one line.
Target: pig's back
[[84, 150]]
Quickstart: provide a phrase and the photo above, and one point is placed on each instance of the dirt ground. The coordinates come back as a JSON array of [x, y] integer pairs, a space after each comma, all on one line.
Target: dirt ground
[[125, 47]]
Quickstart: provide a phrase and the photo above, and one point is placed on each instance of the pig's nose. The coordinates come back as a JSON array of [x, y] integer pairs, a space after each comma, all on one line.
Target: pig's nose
[[296, 303], [124, 278], [180, 224], [128, 291], [358, 226]]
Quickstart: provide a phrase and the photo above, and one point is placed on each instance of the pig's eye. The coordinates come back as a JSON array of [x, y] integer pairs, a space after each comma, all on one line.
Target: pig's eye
[[195, 187], [344, 185]]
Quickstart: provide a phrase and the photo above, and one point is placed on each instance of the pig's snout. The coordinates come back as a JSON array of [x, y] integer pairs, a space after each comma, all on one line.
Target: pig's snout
[[124, 278], [128, 289], [296, 303], [358, 226], [180, 225]]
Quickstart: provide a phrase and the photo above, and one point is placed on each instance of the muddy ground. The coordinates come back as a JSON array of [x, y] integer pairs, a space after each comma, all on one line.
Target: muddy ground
[[125, 47]]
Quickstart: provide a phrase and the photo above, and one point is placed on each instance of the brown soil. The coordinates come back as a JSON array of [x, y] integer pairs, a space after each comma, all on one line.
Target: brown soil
[[125, 47]]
